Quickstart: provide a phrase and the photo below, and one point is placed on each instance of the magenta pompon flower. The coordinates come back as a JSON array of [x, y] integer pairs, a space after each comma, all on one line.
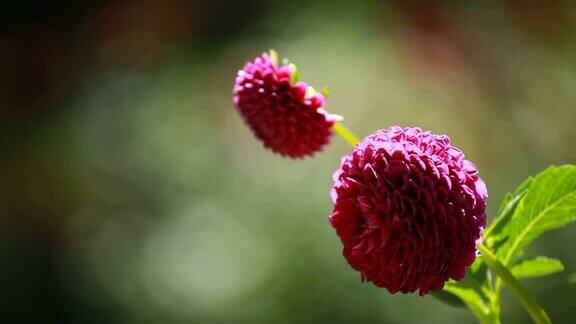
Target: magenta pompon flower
[[409, 210], [286, 115]]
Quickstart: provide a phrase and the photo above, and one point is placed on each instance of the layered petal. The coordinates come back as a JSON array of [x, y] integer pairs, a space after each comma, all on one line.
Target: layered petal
[[409, 210], [288, 118]]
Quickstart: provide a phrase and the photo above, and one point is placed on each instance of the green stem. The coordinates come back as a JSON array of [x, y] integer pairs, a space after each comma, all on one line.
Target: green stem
[[536, 312], [480, 314], [494, 305], [345, 133]]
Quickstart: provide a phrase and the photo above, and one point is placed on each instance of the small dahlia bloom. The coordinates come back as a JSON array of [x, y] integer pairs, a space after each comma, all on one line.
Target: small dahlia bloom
[[409, 210], [286, 115]]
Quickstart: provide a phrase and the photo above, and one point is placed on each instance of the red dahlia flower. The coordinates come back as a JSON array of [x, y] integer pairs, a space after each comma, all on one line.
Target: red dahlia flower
[[409, 210], [286, 115]]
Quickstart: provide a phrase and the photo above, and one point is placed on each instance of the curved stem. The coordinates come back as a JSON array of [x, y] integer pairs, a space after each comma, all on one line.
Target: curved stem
[[536, 312], [480, 314], [345, 133]]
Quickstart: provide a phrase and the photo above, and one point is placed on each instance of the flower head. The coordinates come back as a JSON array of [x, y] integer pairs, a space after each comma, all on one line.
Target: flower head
[[285, 114], [409, 210]]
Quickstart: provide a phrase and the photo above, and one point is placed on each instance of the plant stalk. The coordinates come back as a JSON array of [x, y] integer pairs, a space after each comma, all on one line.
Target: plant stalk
[[536, 312], [345, 134]]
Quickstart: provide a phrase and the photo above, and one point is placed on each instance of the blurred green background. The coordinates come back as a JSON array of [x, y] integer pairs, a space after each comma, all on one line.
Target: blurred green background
[[131, 191]]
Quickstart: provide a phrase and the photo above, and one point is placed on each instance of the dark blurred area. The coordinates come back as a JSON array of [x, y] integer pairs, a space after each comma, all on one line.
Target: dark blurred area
[[131, 192]]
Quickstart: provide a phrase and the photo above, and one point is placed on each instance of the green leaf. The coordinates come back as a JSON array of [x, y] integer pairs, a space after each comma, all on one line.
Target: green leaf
[[524, 186], [549, 203], [480, 273], [494, 233], [537, 267], [471, 294], [475, 266], [448, 298], [572, 278]]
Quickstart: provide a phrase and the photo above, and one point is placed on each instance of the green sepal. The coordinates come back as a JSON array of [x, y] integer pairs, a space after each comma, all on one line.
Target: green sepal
[[295, 73], [273, 56]]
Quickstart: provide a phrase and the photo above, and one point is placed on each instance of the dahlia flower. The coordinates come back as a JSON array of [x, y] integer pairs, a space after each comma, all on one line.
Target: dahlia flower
[[284, 114], [409, 210]]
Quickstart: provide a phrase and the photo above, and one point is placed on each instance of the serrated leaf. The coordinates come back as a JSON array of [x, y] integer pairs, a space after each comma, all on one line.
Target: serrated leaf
[[505, 201], [524, 186], [549, 203], [494, 233], [537, 267]]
